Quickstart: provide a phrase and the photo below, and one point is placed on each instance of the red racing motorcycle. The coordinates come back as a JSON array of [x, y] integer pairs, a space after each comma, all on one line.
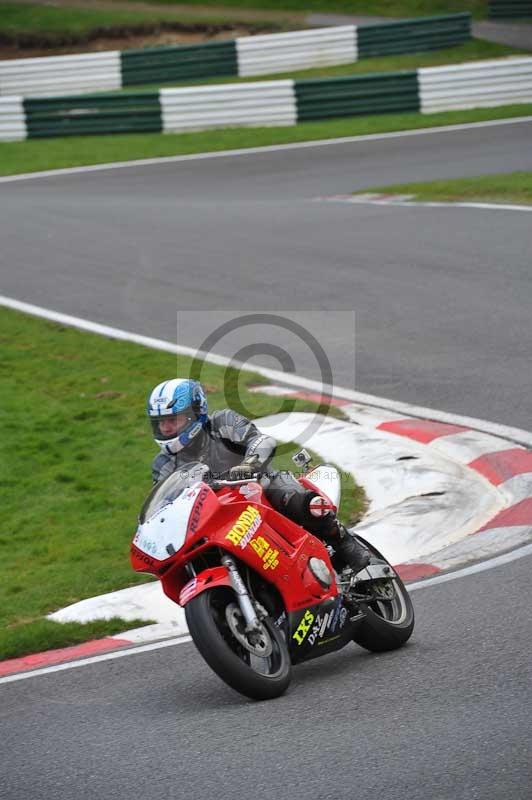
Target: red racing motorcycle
[[260, 593]]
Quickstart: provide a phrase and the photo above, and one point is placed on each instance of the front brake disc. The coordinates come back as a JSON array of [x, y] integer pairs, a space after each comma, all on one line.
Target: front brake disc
[[258, 642]]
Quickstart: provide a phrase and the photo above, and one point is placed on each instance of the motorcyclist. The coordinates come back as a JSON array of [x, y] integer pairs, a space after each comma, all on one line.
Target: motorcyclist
[[227, 442]]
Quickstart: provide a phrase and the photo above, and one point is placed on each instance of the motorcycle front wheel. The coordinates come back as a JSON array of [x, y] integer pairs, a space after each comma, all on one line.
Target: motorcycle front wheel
[[258, 667], [389, 618]]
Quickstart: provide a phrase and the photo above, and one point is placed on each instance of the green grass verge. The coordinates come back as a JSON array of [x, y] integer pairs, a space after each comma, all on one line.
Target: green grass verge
[[34, 637], [514, 187], [25, 23], [382, 8], [35, 155], [75, 469], [474, 50]]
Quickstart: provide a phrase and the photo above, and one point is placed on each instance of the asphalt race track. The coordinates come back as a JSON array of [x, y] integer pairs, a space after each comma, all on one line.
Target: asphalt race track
[[443, 300], [442, 296]]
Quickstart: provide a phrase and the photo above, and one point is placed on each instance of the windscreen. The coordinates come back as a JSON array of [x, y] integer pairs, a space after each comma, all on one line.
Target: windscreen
[[168, 490]]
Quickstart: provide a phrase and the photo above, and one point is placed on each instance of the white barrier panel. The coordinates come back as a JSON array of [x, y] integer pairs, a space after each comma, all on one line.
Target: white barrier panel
[[60, 75], [258, 55], [246, 104], [12, 119], [475, 85]]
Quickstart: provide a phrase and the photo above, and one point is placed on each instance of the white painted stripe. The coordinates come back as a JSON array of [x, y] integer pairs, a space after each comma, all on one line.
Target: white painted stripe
[[250, 151], [370, 417], [481, 546], [274, 391], [145, 602], [498, 561], [416, 507], [489, 206], [84, 662], [394, 200], [517, 488], [514, 434], [467, 446], [359, 414]]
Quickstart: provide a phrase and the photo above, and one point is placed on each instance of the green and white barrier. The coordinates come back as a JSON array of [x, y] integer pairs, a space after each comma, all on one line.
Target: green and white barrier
[[413, 35], [232, 105], [92, 114], [245, 56], [260, 55], [166, 64], [60, 75], [366, 94], [266, 103], [481, 84], [510, 9], [12, 119]]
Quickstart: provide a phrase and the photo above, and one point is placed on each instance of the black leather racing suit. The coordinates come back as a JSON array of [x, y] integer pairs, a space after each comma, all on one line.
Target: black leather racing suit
[[226, 440]]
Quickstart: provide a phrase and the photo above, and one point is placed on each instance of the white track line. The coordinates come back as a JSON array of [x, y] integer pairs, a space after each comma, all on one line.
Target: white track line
[[245, 151], [84, 662], [429, 204], [498, 561], [506, 432]]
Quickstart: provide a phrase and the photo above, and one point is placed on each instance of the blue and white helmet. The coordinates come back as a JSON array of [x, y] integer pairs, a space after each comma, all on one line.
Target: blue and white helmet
[[178, 412]]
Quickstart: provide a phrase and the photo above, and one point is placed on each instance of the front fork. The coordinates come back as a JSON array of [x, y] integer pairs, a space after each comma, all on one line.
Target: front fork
[[244, 600]]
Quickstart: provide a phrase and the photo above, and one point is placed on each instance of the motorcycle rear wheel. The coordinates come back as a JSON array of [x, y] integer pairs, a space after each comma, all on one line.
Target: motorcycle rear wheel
[[260, 678], [388, 623]]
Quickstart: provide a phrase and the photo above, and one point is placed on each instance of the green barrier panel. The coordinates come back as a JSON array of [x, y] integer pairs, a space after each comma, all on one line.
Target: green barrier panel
[[368, 94], [416, 35], [72, 116], [165, 64], [510, 9]]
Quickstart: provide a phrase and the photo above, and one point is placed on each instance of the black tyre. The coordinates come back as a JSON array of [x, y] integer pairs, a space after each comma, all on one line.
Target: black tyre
[[389, 620], [261, 669]]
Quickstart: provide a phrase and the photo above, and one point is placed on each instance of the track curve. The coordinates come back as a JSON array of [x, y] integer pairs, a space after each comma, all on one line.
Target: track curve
[[443, 302], [442, 296]]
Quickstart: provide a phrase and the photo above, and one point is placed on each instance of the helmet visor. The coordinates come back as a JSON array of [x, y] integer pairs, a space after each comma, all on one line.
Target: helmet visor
[[170, 425]]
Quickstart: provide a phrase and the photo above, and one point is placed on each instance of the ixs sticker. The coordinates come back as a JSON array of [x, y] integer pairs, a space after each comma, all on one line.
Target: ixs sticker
[[320, 626], [246, 525], [304, 626]]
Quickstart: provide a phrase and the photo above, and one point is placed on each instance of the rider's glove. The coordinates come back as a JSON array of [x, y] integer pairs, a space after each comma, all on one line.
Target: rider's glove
[[246, 469]]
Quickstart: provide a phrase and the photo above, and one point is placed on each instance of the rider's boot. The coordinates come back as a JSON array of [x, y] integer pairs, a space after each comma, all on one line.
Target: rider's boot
[[350, 549]]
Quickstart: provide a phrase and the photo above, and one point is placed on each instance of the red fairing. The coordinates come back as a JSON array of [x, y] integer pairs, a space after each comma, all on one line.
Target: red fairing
[[141, 562], [239, 520], [216, 576]]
